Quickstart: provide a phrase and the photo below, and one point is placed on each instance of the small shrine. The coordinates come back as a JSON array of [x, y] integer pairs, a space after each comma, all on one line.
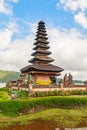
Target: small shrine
[[68, 80], [41, 72]]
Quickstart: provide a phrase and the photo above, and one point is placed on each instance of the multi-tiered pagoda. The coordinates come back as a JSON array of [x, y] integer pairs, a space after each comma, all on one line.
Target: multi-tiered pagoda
[[41, 71]]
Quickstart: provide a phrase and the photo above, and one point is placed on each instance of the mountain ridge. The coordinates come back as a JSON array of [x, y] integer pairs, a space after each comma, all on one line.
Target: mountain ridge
[[6, 75]]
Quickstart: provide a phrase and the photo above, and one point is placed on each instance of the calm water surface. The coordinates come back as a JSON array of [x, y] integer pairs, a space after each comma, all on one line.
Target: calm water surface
[[39, 126]]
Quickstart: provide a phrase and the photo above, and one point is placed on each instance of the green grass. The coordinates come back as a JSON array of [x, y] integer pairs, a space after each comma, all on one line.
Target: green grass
[[62, 110], [4, 95], [61, 117]]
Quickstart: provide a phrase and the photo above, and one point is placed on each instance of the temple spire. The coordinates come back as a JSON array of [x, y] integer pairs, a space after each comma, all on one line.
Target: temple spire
[[41, 46], [40, 63]]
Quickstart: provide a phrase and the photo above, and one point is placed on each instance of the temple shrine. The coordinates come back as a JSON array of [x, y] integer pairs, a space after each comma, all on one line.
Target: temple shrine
[[41, 72], [40, 75]]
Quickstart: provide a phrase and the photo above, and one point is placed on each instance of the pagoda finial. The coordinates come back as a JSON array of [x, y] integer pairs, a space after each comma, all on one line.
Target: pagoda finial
[[41, 21]]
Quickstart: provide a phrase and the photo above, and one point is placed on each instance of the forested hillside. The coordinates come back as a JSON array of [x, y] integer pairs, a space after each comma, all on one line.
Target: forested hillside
[[8, 75]]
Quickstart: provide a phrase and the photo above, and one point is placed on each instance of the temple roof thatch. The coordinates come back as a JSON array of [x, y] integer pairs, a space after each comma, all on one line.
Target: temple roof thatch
[[41, 29], [41, 26], [43, 59], [41, 37], [41, 67], [40, 41], [41, 33], [41, 46], [41, 52]]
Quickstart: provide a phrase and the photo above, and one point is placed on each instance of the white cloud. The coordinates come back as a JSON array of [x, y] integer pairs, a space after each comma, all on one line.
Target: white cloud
[[73, 5], [67, 47], [6, 35], [78, 9], [17, 55], [5, 7], [81, 19]]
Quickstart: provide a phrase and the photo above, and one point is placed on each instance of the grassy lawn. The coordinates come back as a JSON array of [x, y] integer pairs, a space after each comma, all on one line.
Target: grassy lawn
[[61, 117], [3, 95], [65, 111]]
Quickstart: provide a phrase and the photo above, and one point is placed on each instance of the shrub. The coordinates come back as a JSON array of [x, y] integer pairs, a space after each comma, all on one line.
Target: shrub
[[23, 93], [14, 107], [39, 94], [59, 93]]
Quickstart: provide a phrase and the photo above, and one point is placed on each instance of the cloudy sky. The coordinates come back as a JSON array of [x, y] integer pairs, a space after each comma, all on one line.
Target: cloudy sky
[[66, 23]]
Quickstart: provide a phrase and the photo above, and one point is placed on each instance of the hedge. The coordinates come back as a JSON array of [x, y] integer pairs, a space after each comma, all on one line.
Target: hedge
[[14, 107]]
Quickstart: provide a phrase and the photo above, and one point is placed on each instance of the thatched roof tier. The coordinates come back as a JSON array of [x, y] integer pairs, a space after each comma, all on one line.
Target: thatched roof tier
[[41, 37], [41, 33], [41, 27], [42, 68], [41, 46], [42, 59], [40, 41], [42, 30], [41, 52]]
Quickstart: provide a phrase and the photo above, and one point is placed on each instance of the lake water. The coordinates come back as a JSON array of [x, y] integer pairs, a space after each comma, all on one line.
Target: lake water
[[2, 85], [41, 125]]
